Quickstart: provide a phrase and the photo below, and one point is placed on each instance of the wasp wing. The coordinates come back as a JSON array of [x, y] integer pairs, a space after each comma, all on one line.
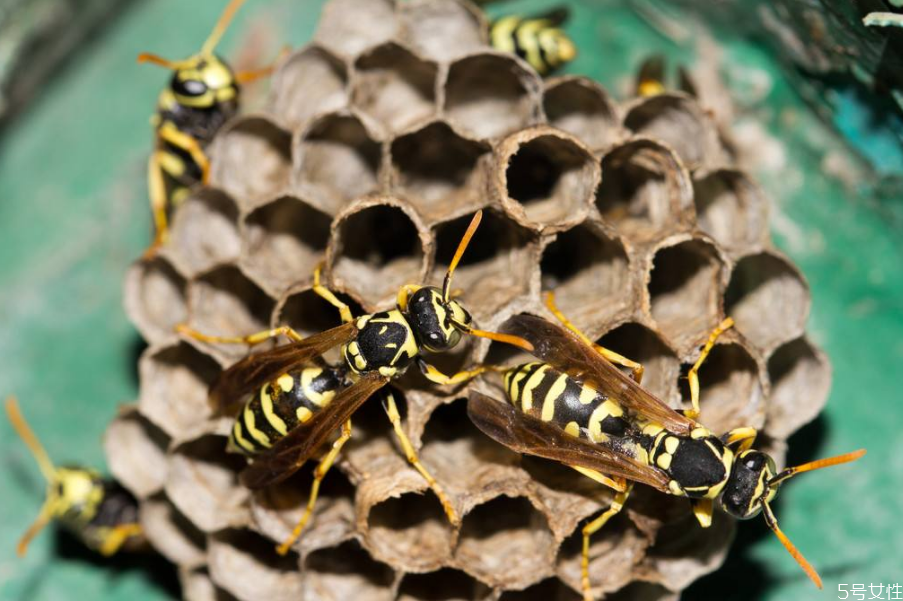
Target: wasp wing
[[290, 453], [568, 353], [252, 372], [531, 436]]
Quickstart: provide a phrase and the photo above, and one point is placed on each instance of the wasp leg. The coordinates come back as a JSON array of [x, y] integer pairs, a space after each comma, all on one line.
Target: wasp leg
[[434, 375], [404, 293], [616, 505], [327, 295], [118, 537], [614, 484], [693, 376], [745, 436], [156, 187], [319, 474], [702, 509], [250, 340], [169, 134], [394, 417], [637, 369]]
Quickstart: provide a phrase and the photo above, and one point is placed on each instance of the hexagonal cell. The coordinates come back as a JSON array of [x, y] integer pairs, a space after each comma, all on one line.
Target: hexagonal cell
[[644, 191], [311, 82], [442, 30], [643, 591], [685, 290], [550, 589], [348, 27], [683, 551], [136, 453], [446, 584], [247, 566], [490, 95], [731, 208], [768, 298], [589, 272], [439, 171], [346, 572], [377, 246], [172, 534], [173, 388], [678, 121], [497, 266], [641, 344], [155, 298], [582, 107], [283, 242], [204, 232], [336, 161], [394, 86], [506, 527], [409, 531], [203, 484], [800, 377], [225, 302], [251, 160], [545, 178]]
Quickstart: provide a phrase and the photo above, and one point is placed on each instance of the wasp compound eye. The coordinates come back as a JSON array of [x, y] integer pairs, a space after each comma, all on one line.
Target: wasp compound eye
[[188, 87]]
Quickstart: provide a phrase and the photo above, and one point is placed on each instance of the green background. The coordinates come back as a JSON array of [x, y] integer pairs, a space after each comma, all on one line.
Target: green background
[[73, 215]]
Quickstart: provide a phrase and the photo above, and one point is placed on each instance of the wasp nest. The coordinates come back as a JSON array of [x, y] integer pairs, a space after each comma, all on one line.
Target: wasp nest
[[382, 139]]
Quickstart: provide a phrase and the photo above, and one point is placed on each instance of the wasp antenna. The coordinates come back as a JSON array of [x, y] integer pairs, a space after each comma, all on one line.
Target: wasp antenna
[[220, 28], [42, 520], [462, 246], [154, 59], [506, 338], [29, 438], [816, 465], [794, 552]]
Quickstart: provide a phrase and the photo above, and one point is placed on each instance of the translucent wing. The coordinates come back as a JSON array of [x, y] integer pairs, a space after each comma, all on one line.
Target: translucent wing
[[252, 372], [303, 440], [526, 434], [568, 353]]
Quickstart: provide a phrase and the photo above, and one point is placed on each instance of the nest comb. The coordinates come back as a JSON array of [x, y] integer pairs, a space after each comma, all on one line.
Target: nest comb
[[382, 138]]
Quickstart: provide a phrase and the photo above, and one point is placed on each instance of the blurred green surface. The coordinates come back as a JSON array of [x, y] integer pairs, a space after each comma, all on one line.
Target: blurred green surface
[[73, 215]]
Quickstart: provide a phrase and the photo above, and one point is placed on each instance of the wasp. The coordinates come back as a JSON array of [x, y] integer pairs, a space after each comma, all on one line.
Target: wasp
[[99, 511], [300, 400], [201, 96], [577, 407], [651, 79], [538, 39]]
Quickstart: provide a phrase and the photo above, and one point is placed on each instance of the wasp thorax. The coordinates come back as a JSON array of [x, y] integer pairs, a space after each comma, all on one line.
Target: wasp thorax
[[433, 319], [698, 465], [747, 486]]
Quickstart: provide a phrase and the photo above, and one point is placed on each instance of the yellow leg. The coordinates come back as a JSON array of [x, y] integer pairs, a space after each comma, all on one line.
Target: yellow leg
[[394, 417], [327, 295], [616, 505], [434, 375], [702, 509], [168, 133], [404, 293], [319, 474], [250, 340], [156, 187], [746, 436], [617, 359], [693, 376], [119, 535]]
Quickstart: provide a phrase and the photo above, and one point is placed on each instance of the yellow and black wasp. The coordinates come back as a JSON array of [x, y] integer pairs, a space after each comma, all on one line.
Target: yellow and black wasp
[[575, 406], [300, 401], [99, 511], [538, 39], [652, 79], [201, 96]]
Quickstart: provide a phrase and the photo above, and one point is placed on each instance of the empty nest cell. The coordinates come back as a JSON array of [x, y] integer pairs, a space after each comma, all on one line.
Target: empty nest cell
[[394, 87], [545, 178], [768, 298], [490, 95], [800, 377], [346, 571], [438, 171], [497, 267], [678, 121], [589, 273], [173, 388], [550, 589], [204, 232], [731, 209], [136, 453], [308, 313], [446, 584], [348, 27], [284, 240], [251, 160], [377, 246], [337, 160], [155, 298], [683, 551], [442, 30], [645, 192], [685, 290], [581, 107], [197, 586], [643, 591], [311, 82], [247, 566], [643, 345], [172, 534], [203, 484]]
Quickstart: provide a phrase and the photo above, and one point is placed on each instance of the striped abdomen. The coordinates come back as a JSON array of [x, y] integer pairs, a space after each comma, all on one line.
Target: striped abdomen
[[536, 40], [281, 405]]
